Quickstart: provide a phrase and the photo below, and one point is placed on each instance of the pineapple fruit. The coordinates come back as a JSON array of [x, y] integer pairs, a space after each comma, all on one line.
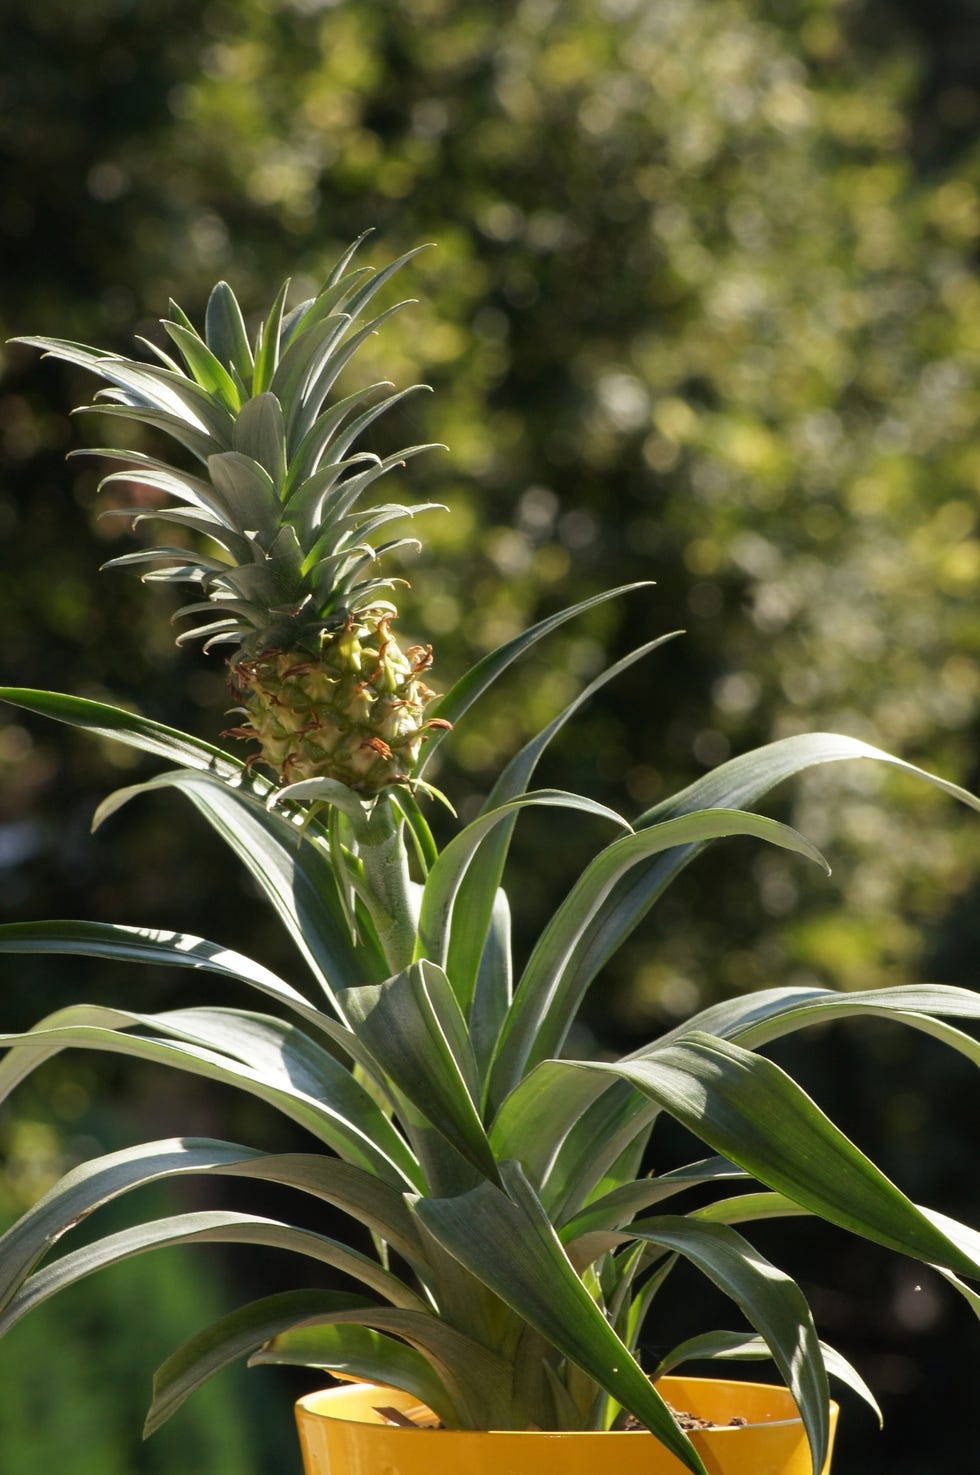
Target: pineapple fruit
[[353, 711], [318, 677]]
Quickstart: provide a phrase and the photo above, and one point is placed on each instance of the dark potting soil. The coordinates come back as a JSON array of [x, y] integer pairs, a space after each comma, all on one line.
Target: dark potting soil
[[687, 1421]]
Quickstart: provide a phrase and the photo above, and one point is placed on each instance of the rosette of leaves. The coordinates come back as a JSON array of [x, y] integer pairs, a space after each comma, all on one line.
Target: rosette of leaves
[[521, 1238]]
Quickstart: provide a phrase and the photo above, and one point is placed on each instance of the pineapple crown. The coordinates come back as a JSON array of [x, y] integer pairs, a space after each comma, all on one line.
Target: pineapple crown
[[281, 487]]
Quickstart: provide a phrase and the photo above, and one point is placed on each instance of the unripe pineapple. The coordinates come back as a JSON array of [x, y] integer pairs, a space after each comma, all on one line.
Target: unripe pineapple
[[320, 680], [354, 711]]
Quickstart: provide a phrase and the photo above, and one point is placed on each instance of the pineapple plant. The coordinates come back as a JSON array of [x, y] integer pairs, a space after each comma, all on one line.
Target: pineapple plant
[[279, 559], [427, 1061]]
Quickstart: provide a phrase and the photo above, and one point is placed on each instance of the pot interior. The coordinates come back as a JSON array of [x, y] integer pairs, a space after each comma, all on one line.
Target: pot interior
[[342, 1433]]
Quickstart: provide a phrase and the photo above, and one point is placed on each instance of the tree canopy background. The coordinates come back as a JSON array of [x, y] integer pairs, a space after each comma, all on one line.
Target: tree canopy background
[[703, 309]]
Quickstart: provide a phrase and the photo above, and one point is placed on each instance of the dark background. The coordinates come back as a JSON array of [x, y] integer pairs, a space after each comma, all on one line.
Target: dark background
[[703, 309]]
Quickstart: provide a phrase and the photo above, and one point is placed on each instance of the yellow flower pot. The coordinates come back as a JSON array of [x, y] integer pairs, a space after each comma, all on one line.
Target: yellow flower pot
[[342, 1434]]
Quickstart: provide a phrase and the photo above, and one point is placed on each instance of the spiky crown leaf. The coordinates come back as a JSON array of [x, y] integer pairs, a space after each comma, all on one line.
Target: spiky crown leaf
[[281, 493]]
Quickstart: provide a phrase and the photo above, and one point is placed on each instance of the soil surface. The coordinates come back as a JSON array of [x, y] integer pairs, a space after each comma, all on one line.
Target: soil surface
[[690, 1421], [687, 1421]]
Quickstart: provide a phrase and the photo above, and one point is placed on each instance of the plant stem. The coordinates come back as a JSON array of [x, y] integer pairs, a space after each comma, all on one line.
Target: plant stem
[[387, 887]]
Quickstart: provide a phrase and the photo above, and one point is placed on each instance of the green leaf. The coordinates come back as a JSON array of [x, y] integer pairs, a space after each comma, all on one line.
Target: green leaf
[[331, 298], [345, 495], [749, 776], [208, 370], [418, 827], [337, 274], [326, 791], [325, 372], [198, 519], [324, 501], [207, 1227], [549, 991], [963, 1236], [92, 1028], [357, 1191], [482, 880], [224, 329], [534, 1113], [742, 1347], [730, 1097], [745, 1208], [146, 389], [309, 454], [191, 564], [540, 1114], [168, 361], [583, 1150], [768, 1299], [365, 1354], [624, 1168], [260, 434], [470, 687], [132, 729], [378, 279], [100, 1180], [482, 1227], [198, 442], [294, 874], [414, 1029], [304, 507], [444, 880], [739, 783], [768, 1016], [229, 1340], [479, 1382], [299, 362], [267, 346], [248, 488], [95, 1183], [494, 988], [147, 471], [476, 1380], [360, 423], [617, 1207], [282, 1052], [173, 949]]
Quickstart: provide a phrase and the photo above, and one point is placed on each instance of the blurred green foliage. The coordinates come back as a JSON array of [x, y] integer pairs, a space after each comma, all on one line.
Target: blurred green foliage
[[703, 309]]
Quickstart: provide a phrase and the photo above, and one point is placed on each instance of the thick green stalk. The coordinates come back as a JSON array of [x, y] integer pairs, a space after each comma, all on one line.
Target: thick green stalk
[[387, 888]]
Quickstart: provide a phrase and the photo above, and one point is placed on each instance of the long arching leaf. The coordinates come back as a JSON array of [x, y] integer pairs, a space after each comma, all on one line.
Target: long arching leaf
[[169, 949], [482, 880], [740, 783], [768, 1299], [545, 1119], [470, 687], [97, 1182], [728, 1097], [477, 1381], [129, 728], [444, 880], [207, 1227], [548, 994], [90, 1028], [413, 1027], [482, 1227], [363, 1353], [233, 1337], [294, 874], [743, 1347], [910, 1004]]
